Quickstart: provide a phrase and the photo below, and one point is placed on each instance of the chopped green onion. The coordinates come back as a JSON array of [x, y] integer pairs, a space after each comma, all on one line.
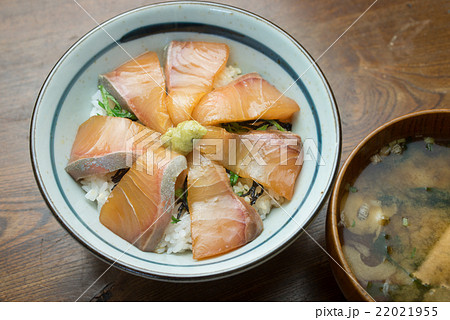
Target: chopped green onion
[[276, 124], [353, 224], [429, 140], [117, 111], [353, 189], [240, 193], [405, 222], [428, 143], [413, 253], [175, 220], [233, 178]]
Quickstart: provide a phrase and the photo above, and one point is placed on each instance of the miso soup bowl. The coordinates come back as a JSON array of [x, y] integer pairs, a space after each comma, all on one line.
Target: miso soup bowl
[[434, 123], [256, 45]]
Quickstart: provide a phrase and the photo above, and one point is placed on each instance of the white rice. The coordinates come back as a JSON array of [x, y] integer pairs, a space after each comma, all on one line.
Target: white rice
[[228, 74], [97, 188], [177, 238]]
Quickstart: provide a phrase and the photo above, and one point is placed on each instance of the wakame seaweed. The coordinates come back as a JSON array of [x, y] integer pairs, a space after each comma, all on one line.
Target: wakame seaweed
[[418, 197], [429, 197], [388, 200], [182, 199], [254, 195], [118, 176], [382, 247]]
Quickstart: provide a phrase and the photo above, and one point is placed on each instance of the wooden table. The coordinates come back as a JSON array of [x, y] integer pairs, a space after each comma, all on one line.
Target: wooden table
[[394, 60]]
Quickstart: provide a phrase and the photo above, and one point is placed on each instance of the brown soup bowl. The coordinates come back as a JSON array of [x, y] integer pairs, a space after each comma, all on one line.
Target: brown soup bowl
[[435, 123]]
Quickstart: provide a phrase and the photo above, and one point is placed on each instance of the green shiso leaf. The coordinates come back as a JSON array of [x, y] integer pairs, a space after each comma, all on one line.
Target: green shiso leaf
[[353, 189]]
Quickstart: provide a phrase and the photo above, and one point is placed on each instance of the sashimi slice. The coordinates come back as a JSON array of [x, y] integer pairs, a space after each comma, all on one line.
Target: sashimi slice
[[191, 68], [248, 97], [104, 144], [220, 220], [272, 158], [138, 85], [140, 207]]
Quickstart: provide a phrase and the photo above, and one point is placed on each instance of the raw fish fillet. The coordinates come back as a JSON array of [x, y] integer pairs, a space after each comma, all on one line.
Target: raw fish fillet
[[105, 144], [275, 159], [191, 68], [139, 208], [138, 85], [248, 97], [220, 220]]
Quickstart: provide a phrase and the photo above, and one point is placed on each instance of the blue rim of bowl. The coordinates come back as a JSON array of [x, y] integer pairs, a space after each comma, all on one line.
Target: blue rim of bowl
[[189, 27]]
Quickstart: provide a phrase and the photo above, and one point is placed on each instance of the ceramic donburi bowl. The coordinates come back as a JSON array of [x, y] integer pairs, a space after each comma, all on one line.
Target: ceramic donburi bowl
[[256, 45]]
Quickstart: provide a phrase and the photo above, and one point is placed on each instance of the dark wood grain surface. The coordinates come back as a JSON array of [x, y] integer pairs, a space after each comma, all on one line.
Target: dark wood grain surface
[[394, 60]]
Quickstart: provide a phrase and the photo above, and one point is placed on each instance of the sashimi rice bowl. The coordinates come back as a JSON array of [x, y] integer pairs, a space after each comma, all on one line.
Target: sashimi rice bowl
[[185, 150]]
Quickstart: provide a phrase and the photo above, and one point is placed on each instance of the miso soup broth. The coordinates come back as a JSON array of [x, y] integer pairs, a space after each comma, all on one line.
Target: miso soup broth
[[395, 222]]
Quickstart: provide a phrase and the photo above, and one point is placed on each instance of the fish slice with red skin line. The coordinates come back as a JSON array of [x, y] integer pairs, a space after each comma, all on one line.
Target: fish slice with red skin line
[[191, 68], [105, 144], [221, 221], [248, 97], [138, 85], [140, 207], [272, 158]]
